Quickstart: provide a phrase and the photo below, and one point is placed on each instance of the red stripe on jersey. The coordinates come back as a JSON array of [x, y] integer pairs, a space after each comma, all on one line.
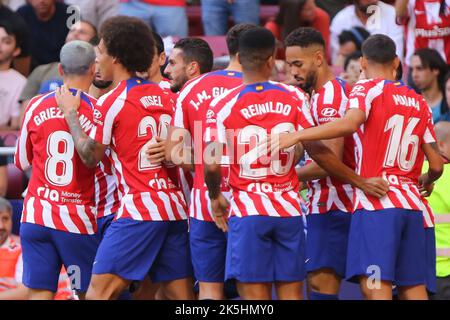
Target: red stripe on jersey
[[139, 204], [57, 219], [76, 219], [38, 209], [161, 208]]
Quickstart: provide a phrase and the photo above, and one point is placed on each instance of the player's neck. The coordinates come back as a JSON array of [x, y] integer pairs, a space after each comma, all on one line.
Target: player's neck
[[119, 75], [323, 76], [380, 72], [234, 65], [78, 83], [250, 77], [156, 78]]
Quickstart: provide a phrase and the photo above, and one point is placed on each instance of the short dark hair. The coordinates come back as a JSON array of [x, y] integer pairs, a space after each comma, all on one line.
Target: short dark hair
[[255, 47], [354, 56], [432, 59], [233, 36], [12, 29], [129, 40], [357, 35], [379, 48], [304, 37], [198, 50], [159, 43]]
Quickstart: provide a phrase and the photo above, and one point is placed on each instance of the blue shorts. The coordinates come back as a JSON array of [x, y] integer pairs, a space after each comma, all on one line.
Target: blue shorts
[[388, 244], [103, 224], [134, 249], [265, 249], [430, 247], [327, 240], [208, 250], [45, 250]]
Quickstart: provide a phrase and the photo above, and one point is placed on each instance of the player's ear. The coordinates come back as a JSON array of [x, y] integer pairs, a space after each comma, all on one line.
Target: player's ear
[[60, 69], [396, 63], [17, 52], [319, 58], [238, 57], [271, 62], [162, 58], [363, 63]]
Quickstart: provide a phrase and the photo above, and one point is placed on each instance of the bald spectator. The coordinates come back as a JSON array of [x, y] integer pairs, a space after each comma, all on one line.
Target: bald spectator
[[47, 22], [375, 16], [46, 78]]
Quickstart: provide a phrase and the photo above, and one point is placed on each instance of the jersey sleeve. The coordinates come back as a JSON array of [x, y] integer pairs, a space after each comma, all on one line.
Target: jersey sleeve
[[104, 119], [24, 148], [362, 95]]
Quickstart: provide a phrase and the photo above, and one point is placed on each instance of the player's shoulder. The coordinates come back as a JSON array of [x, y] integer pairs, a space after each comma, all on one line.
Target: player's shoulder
[[111, 96], [293, 91], [363, 87], [227, 97]]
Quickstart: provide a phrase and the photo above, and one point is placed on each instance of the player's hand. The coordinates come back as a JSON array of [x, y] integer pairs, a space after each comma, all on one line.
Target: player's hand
[[156, 151], [278, 141], [220, 208], [425, 185], [66, 100], [376, 187]]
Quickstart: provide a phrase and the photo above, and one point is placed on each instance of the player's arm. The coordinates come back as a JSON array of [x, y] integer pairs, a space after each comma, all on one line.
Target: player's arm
[[213, 179], [342, 127], [327, 159], [312, 170], [435, 169], [401, 9], [178, 149], [90, 151]]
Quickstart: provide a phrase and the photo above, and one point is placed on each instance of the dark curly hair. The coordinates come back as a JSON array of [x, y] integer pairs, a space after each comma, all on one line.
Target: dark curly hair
[[129, 40]]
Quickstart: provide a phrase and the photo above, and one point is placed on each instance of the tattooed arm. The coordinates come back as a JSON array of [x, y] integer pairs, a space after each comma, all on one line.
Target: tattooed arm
[[90, 151]]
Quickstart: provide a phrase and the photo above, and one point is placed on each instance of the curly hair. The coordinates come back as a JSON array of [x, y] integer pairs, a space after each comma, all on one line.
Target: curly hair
[[130, 41]]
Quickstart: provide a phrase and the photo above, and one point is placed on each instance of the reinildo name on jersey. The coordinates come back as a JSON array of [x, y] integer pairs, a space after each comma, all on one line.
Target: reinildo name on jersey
[[225, 309]]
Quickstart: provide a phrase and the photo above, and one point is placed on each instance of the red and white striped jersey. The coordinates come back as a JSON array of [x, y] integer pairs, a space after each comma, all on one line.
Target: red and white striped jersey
[[398, 122], [328, 194], [428, 27], [56, 198], [191, 108], [262, 183], [107, 200], [128, 119]]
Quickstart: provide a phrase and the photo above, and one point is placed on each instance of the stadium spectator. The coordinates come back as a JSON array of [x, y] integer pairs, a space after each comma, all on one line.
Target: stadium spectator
[[166, 17], [215, 14], [11, 81], [352, 68], [428, 26], [428, 70], [350, 41], [3, 172], [299, 13], [47, 24], [46, 78], [96, 12], [11, 264], [376, 16], [439, 202], [332, 7], [22, 62], [445, 116]]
